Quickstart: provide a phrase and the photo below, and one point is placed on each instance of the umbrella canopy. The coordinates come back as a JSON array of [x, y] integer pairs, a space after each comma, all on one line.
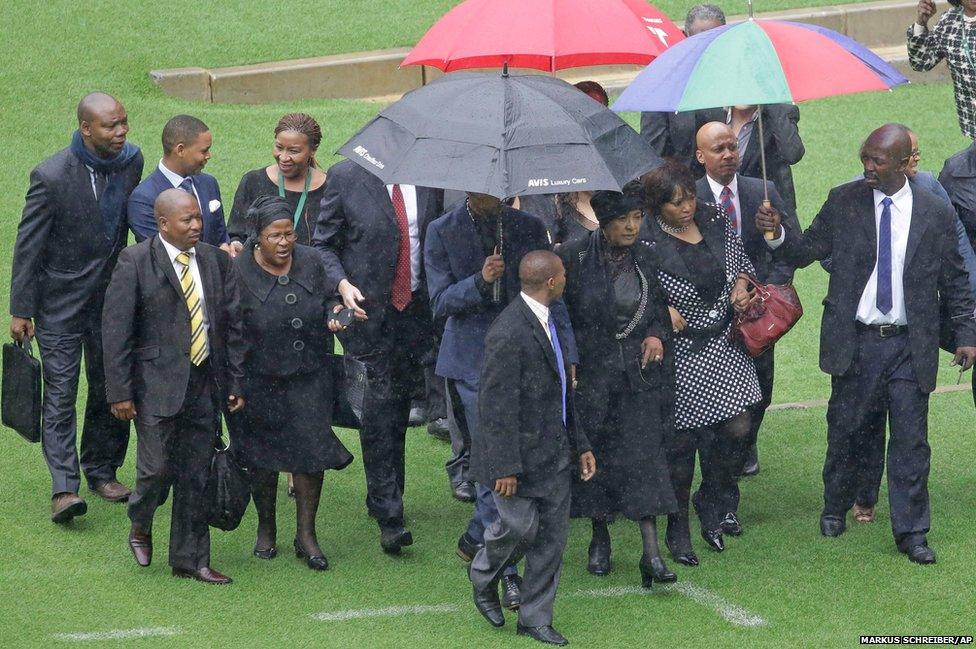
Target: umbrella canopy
[[757, 62], [501, 135], [545, 35]]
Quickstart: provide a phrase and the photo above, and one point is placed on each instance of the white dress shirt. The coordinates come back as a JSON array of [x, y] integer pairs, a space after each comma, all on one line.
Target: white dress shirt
[[410, 202], [91, 176], [175, 179], [541, 311], [901, 220], [173, 251], [733, 186]]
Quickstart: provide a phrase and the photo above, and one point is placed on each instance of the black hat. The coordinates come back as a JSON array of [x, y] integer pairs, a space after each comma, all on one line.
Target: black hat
[[264, 211], [610, 205]]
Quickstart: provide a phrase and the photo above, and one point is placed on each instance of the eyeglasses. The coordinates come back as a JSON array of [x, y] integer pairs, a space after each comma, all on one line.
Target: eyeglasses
[[916, 154], [278, 237]]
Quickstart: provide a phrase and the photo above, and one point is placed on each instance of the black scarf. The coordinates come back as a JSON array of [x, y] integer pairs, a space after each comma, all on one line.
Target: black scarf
[[111, 203]]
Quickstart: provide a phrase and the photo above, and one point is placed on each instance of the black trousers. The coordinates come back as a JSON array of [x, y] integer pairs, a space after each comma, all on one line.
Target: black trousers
[[176, 451], [764, 371], [393, 366], [104, 439], [880, 385], [457, 464]]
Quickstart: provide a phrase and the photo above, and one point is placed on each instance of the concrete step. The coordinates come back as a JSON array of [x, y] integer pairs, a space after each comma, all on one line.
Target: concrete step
[[376, 75]]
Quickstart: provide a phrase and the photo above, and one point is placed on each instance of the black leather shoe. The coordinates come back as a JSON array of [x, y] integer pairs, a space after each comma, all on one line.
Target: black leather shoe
[[268, 554], [686, 558], [418, 416], [488, 605], [545, 634], [467, 547], [394, 538], [313, 561], [463, 491], [922, 554], [831, 525], [655, 570], [511, 592], [731, 525], [438, 429], [598, 562], [678, 540], [714, 539]]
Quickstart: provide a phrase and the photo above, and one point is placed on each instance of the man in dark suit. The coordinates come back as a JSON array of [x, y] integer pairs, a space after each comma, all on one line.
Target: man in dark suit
[[526, 448], [781, 138], [173, 346], [893, 251], [186, 150], [371, 237], [69, 238], [464, 261], [742, 197]]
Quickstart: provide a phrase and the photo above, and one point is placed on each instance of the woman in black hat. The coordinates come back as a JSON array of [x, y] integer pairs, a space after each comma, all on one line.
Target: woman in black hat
[[287, 306], [620, 315]]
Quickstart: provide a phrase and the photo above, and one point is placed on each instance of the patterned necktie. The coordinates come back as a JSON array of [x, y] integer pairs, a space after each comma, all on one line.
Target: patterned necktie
[[199, 348], [101, 182], [559, 362], [729, 206], [187, 185], [883, 300], [400, 294]]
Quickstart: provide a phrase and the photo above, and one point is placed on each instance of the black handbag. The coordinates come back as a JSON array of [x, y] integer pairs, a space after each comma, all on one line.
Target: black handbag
[[20, 401], [228, 489], [348, 390]]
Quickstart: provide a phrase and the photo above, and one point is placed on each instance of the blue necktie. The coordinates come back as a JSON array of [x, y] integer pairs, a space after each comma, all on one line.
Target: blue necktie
[[187, 185], [884, 258], [559, 362]]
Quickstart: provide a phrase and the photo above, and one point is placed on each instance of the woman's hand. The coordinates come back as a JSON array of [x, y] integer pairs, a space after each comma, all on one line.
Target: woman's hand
[[678, 321], [926, 9], [334, 325], [652, 349], [740, 297]]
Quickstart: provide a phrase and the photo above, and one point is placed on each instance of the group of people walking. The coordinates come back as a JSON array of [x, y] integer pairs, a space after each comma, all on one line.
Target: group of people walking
[[584, 339]]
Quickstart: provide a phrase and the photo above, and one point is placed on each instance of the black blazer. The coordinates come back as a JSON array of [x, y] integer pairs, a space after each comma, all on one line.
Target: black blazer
[[768, 269], [359, 239], [63, 257], [957, 178], [845, 231], [520, 405], [783, 148], [672, 135], [285, 325], [146, 328]]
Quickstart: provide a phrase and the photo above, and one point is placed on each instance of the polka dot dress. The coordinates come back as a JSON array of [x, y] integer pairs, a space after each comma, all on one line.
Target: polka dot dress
[[719, 380]]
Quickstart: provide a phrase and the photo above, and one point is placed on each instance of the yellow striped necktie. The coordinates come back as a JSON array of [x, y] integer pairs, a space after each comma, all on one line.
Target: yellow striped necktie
[[198, 335]]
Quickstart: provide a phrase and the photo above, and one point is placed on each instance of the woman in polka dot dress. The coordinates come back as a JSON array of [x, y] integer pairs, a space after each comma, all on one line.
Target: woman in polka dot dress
[[701, 260]]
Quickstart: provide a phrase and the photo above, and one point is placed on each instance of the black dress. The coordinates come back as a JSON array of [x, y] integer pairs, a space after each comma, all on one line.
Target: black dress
[[256, 183], [623, 409], [286, 422]]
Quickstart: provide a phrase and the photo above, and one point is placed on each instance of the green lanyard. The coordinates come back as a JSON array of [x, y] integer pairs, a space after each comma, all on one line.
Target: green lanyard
[[301, 201]]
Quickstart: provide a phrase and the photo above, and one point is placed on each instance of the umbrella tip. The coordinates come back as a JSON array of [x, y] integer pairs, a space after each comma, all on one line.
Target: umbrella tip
[[505, 69], [750, 10]]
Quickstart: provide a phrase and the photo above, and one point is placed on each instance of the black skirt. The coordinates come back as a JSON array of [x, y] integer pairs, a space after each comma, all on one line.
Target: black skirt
[[286, 425], [632, 475]]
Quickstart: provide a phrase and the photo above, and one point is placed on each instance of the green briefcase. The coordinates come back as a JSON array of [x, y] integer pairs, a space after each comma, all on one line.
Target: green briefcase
[[20, 394]]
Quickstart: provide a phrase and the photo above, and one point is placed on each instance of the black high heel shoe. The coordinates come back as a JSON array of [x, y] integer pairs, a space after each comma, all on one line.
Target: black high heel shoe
[[688, 558], [315, 562], [268, 554], [655, 570]]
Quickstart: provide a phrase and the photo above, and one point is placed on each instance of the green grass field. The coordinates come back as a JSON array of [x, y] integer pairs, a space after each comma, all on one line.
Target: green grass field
[[806, 590]]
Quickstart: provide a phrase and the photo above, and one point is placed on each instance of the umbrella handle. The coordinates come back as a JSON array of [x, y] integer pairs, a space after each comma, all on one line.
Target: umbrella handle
[[769, 236]]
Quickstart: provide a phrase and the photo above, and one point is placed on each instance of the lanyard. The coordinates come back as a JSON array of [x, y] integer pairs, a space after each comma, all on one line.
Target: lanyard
[[301, 201]]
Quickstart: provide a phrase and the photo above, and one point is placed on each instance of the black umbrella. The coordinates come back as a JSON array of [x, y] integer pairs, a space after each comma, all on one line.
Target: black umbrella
[[501, 135]]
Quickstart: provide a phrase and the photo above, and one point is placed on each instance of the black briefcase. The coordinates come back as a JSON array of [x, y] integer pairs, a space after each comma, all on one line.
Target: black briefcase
[[20, 401], [348, 390], [228, 489]]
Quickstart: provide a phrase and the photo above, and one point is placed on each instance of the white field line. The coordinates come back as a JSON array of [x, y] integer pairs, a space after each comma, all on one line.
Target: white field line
[[120, 634], [732, 613]]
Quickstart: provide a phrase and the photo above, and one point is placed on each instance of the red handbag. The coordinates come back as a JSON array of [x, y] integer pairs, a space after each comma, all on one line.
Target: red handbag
[[773, 311]]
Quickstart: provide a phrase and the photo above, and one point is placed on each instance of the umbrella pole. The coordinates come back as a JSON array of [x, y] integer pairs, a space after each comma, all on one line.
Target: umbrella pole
[[496, 289], [762, 160]]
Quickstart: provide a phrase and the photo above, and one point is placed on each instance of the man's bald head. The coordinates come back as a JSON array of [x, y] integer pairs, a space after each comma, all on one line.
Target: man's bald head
[[885, 155], [717, 149], [542, 275], [103, 124], [172, 201], [892, 138], [94, 103], [178, 218]]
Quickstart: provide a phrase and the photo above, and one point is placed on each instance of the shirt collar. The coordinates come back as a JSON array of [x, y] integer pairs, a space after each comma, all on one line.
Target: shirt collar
[[540, 310], [717, 187], [174, 178], [897, 198], [172, 250]]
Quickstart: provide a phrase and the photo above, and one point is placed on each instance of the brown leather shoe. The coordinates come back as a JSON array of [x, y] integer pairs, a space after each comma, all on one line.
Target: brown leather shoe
[[206, 574], [141, 546], [65, 506], [113, 491], [863, 513]]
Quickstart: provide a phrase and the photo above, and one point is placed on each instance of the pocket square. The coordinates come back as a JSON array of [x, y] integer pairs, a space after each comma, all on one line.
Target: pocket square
[[214, 205]]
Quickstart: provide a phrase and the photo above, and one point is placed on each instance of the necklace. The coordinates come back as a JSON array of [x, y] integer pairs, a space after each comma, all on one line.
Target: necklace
[[670, 229]]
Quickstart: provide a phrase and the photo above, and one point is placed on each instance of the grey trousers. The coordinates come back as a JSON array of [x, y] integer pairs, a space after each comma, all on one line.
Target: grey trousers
[[535, 528]]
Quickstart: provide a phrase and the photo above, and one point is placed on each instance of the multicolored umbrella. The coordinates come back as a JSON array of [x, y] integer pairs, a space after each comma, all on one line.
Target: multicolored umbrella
[[757, 62], [545, 35]]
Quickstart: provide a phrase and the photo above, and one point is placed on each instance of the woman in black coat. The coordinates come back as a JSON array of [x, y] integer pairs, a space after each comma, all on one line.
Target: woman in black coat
[[620, 315], [286, 304]]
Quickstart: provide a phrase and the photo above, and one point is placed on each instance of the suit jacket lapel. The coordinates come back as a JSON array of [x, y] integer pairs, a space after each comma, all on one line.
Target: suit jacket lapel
[[381, 198], [917, 226], [84, 189], [540, 334], [748, 205], [668, 258], [713, 232], [208, 276], [164, 264]]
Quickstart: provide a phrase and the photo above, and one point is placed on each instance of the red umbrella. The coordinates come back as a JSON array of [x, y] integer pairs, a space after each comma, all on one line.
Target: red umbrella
[[545, 35]]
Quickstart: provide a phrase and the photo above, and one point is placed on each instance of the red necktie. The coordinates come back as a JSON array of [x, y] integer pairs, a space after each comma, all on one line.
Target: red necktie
[[730, 207], [400, 294]]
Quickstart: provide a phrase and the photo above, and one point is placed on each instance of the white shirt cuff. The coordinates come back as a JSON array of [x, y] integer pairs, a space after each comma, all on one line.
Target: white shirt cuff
[[918, 30], [778, 241]]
